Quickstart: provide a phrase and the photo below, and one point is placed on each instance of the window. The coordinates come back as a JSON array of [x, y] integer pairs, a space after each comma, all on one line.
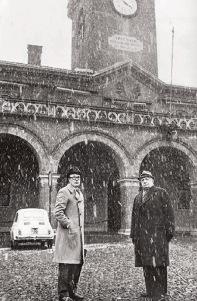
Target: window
[[16, 218]]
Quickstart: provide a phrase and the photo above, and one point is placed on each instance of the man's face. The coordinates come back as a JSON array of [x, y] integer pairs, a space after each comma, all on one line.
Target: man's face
[[147, 182], [75, 180]]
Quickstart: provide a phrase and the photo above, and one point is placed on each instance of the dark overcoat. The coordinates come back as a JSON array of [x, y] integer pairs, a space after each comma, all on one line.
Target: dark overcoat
[[69, 212], [152, 227]]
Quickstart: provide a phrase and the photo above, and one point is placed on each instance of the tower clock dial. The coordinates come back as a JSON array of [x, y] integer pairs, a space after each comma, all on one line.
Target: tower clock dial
[[125, 7]]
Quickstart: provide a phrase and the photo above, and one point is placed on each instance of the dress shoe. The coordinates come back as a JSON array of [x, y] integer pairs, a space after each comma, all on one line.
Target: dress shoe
[[144, 295], [77, 297], [159, 298], [162, 298], [65, 299]]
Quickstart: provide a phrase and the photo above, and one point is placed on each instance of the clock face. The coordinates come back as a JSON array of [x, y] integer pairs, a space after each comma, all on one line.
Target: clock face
[[125, 7]]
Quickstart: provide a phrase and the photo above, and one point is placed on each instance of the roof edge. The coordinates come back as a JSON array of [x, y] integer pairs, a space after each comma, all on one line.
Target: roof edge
[[133, 66]]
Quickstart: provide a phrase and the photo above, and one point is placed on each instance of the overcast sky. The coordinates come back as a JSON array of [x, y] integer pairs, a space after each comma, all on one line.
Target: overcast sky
[[45, 22]]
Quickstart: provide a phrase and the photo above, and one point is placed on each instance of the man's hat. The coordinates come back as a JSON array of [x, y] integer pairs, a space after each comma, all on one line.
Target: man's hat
[[73, 170], [145, 174]]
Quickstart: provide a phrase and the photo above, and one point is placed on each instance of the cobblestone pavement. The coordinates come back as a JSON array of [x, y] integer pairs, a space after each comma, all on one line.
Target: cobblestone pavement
[[108, 274]]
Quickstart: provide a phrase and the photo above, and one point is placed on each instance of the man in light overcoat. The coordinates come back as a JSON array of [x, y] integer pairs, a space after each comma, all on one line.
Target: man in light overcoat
[[69, 243], [152, 228]]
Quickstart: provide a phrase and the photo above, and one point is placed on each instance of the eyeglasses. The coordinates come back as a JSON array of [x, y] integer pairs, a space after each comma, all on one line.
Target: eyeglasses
[[75, 178]]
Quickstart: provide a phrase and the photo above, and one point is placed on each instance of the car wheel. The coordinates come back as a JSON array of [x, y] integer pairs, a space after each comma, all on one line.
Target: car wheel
[[42, 244], [14, 244], [50, 244]]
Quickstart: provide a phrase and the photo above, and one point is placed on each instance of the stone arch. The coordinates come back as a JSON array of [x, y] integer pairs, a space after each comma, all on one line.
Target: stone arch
[[177, 174], [32, 140], [146, 148], [122, 158]]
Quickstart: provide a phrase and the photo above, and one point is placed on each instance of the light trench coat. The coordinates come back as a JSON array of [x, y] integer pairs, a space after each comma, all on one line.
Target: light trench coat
[[69, 212]]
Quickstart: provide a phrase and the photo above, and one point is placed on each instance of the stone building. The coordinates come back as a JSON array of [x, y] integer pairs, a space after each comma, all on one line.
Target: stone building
[[112, 122]]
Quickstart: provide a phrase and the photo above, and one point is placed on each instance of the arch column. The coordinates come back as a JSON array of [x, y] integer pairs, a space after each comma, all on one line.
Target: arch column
[[55, 177], [129, 188], [47, 193], [44, 191], [193, 209]]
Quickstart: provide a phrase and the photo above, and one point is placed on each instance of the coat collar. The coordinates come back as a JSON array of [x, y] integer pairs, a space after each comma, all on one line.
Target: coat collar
[[72, 190], [147, 196]]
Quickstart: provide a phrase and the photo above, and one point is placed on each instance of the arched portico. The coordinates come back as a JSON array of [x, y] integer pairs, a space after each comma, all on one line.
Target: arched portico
[[174, 164], [119, 154], [122, 157], [37, 147], [33, 141], [146, 148]]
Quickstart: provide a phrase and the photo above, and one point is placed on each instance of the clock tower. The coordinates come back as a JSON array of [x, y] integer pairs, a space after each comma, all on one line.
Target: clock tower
[[109, 31]]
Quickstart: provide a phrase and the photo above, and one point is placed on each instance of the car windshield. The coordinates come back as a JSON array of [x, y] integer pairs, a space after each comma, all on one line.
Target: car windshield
[[29, 217]]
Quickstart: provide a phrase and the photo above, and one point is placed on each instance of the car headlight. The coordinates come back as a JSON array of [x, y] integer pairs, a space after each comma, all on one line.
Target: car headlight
[[19, 232], [49, 232]]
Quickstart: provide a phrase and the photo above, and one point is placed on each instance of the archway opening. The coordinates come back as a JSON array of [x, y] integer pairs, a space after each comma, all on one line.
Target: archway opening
[[172, 169], [19, 172], [99, 176]]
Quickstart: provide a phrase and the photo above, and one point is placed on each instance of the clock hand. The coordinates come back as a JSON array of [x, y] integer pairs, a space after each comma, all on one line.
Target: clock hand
[[127, 4]]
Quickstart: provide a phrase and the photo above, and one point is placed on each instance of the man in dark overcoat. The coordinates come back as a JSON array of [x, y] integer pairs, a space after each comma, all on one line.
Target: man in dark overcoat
[[152, 228], [69, 243]]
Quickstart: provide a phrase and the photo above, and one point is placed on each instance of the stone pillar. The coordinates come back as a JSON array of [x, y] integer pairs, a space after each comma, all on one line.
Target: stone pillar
[[44, 192], [129, 187], [55, 177], [193, 209], [47, 195]]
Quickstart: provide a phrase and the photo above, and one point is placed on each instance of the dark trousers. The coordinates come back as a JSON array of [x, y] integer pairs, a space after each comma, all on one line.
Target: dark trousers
[[68, 277], [155, 280]]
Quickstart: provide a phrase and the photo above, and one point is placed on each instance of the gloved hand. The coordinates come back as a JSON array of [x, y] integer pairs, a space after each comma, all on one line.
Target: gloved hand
[[169, 236]]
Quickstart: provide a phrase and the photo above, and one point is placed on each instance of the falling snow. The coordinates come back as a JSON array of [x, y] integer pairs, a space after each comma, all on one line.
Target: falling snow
[[108, 274]]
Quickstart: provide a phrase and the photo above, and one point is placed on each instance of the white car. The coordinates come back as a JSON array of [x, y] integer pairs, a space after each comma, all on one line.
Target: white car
[[31, 225]]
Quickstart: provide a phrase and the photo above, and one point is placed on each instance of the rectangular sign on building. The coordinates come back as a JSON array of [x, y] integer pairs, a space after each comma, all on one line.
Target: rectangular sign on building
[[125, 43]]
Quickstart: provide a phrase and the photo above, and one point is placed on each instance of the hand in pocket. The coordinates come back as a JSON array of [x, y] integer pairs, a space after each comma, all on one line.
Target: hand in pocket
[[72, 239]]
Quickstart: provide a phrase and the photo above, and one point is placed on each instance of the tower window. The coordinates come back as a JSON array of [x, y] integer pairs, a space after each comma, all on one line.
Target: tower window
[[80, 27]]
